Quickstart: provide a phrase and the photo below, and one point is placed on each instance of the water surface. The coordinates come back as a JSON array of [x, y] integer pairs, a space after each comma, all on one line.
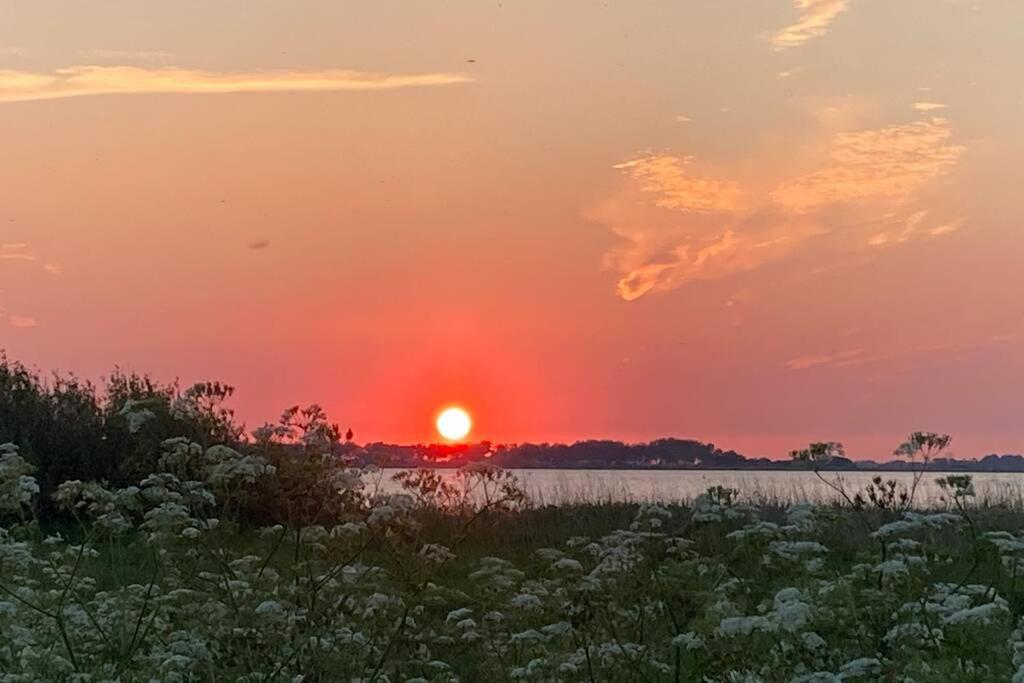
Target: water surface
[[556, 486]]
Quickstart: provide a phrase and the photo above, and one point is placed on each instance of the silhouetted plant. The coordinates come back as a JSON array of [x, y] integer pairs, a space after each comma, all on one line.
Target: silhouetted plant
[[921, 448], [69, 429], [316, 481]]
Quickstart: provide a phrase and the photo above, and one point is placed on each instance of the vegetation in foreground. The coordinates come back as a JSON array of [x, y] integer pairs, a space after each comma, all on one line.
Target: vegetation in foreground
[[126, 555], [175, 579]]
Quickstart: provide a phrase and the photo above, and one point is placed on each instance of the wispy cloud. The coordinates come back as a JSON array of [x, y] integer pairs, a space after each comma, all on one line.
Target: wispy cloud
[[910, 226], [885, 162], [679, 225], [836, 360], [945, 228], [895, 356], [662, 250], [815, 20], [664, 175], [19, 251], [928, 106], [14, 51], [700, 256], [77, 81], [22, 321], [677, 228], [914, 225], [122, 56], [258, 245], [16, 251]]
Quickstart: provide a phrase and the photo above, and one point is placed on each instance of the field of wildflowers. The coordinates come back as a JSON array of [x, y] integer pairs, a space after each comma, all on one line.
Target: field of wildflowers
[[175, 579]]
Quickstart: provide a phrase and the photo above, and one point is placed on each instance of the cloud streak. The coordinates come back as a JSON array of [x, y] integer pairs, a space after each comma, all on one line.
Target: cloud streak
[[14, 51], [16, 251], [125, 55], [816, 17], [913, 227], [835, 360], [860, 356], [80, 81], [19, 251], [22, 321]]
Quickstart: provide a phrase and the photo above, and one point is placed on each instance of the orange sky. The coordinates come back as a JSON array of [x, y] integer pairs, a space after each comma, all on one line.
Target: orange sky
[[796, 221]]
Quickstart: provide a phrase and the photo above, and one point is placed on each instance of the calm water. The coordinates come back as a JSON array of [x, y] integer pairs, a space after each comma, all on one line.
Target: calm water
[[669, 486]]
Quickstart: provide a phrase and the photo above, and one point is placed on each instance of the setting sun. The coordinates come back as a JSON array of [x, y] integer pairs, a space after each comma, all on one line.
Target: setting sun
[[454, 424]]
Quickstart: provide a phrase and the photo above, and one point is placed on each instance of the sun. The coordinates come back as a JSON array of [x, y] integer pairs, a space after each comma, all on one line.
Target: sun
[[454, 424]]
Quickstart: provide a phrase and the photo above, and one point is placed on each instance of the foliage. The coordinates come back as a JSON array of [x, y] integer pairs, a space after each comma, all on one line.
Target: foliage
[[461, 579], [70, 429]]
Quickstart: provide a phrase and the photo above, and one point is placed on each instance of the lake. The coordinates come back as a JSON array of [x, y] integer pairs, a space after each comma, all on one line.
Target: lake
[[556, 486]]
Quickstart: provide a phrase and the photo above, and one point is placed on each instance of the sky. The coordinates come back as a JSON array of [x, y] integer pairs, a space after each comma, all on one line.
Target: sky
[[756, 223]]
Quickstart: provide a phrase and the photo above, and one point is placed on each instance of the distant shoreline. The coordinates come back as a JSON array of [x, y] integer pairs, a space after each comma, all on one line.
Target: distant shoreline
[[866, 470], [661, 455]]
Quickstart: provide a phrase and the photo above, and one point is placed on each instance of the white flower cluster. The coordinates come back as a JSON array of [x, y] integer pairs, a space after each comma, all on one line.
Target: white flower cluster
[[136, 414], [17, 485], [155, 586]]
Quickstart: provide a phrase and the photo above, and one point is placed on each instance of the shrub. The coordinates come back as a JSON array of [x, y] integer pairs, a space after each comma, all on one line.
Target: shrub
[[69, 429]]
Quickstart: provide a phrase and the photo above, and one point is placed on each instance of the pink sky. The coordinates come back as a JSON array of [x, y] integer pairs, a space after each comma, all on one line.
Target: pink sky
[[796, 222]]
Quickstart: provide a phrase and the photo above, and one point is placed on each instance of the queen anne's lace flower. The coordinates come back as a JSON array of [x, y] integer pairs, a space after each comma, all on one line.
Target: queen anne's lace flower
[[17, 487], [392, 587]]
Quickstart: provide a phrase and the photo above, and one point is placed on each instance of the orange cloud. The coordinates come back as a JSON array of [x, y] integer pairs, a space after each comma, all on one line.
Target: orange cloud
[[681, 237], [663, 175], [16, 252], [19, 251], [77, 81], [17, 320], [125, 55], [702, 258], [913, 226], [816, 17], [887, 162], [22, 321], [678, 226], [662, 249], [839, 359], [945, 228]]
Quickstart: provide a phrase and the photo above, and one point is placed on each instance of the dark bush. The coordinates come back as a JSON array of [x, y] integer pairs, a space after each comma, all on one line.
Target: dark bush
[[71, 429]]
